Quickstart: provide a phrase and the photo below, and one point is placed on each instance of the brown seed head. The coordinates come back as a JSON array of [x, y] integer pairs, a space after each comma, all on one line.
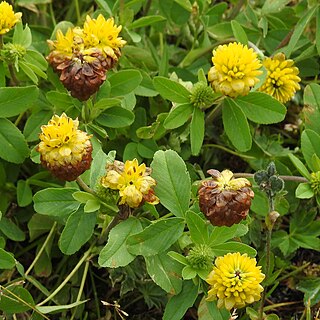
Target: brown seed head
[[224, 200]]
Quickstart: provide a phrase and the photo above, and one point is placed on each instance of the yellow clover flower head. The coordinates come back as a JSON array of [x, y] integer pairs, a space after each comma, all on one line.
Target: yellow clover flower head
[[133, 182], [64, 149], [103, 34], [235, 281], [235, 69], [83, 56], [282, 79], [65, 45], [8, 18]]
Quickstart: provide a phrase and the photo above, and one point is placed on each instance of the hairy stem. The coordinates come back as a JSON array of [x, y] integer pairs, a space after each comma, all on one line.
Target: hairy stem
[[84, 186], [268, 253], [285, 178], [15, 82]]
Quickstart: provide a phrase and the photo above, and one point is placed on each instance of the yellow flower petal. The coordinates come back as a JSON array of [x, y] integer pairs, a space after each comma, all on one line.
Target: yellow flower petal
[[8, 18], [131, 195], [103, 34]]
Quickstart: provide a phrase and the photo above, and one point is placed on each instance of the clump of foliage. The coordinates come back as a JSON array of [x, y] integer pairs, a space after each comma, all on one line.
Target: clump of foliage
[[113, 115]]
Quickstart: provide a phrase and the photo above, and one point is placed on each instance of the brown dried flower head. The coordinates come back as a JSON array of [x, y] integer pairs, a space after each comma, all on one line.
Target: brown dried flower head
[[82, 57], [223, 199]]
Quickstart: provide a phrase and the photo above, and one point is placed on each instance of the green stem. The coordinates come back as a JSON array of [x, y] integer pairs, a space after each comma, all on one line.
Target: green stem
[[308, 310], [268, 255], [41, 249], [290, 274], [121, 11], [84, 186], [132, 302], [22, 301], [83, 280], [212, 145], [54, 22], [1, 41], [256, 49], [27, 248], [95, 294], [161, 43], [214, 113], [236, 9], [15, 82], [16, 123], [168, 215], [285, 178], [86, 110], [76, 4], [147, 7], [104, 235], [70, 275], [279, 305]]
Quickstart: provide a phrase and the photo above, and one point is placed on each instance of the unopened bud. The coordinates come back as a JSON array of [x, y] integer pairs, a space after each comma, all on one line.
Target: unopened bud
[[202, 96], [200, 257], [271, 219]]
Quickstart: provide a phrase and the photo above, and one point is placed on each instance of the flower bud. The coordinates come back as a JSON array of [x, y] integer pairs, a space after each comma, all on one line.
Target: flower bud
[[200, 257], [202, 96], [315, 182]]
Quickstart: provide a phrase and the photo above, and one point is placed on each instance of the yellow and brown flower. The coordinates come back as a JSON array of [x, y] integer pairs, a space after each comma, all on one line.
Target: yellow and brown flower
[[104, 35], [82, 57], [224, 200], [133, 182], [64, 150]]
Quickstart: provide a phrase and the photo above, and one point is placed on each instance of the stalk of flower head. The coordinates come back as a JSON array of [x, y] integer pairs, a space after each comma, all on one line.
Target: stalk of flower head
[[82, 56]]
